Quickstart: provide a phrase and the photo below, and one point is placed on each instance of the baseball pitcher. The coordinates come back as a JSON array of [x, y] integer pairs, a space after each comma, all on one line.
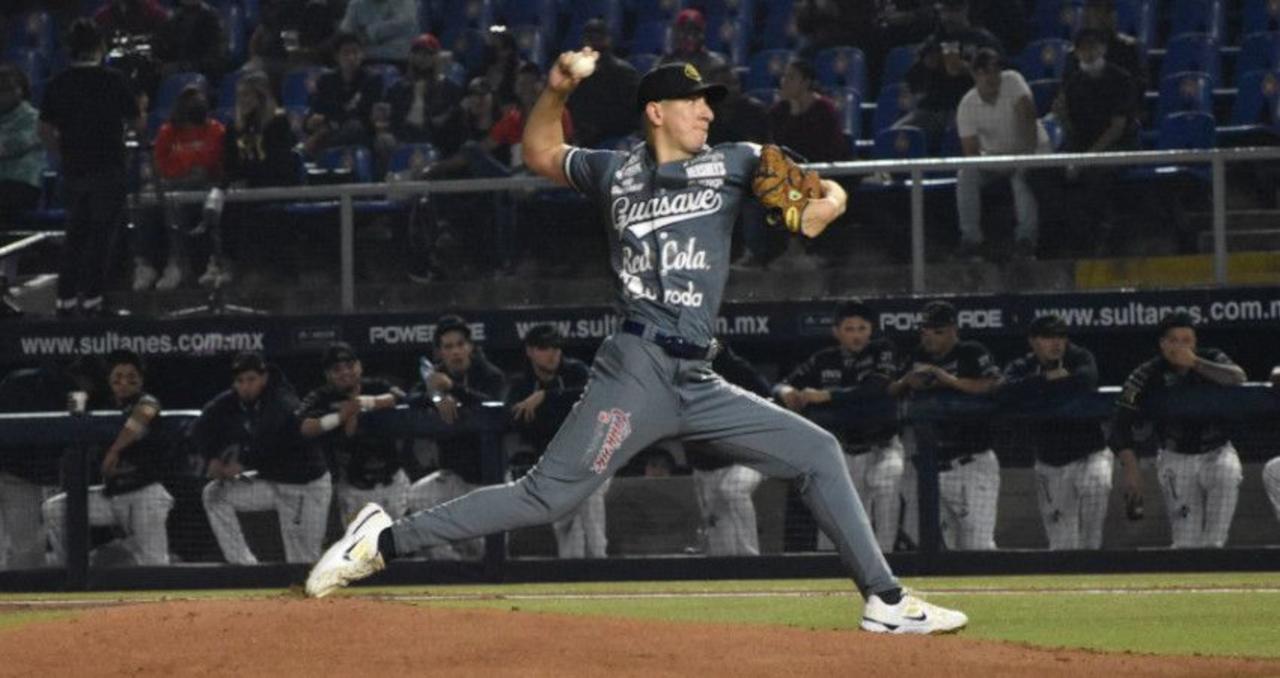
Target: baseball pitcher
[[669, 205]]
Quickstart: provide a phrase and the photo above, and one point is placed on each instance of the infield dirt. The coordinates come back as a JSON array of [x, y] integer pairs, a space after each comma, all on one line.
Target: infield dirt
[[287, 637]]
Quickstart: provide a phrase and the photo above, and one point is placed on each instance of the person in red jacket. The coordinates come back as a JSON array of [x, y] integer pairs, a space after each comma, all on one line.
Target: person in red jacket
[[188, 156]]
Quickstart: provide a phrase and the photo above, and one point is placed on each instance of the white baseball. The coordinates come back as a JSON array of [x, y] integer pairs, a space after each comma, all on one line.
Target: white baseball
[[583, 65]]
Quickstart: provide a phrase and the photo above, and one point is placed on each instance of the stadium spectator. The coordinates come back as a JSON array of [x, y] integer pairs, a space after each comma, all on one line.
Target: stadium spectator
[[725, 488], [22, 156], [462, 381], [425, 103], [940, 76], [688, 43], [131, 17], [342, 105], [307, 26], [29, 473], [1198, 467], [133, 466], [968, 470], [997, 117], [384, 27], [501, 63], [804, 120], [366, 462], [539, 400], [188, 156], [603, 107], [1073, 466], [1122, 50], [193, 39], [83, 118], [267, 54], [857, 370], [1095, 108], [257, 461]]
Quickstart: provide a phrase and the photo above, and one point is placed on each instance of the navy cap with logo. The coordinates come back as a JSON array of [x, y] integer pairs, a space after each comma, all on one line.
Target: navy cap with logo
[[543, 336], [937, 314], [338, 352], [676, 81], [1047, 326]]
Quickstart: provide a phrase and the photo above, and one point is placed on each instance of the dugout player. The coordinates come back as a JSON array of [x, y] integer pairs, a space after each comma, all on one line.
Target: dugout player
[[367, 464], [1271, 471], [968, 471], [858, 368], [539, 400], [669, 204], [131, 496], [463, 379], [258, 461], [1073, 465], [1196, 463]]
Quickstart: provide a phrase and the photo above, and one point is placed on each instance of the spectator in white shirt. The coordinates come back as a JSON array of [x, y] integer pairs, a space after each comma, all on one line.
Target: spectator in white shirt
[[997, 117]]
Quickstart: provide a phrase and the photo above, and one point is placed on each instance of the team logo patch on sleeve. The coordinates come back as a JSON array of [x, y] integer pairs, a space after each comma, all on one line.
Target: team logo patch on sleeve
[[616, 426]]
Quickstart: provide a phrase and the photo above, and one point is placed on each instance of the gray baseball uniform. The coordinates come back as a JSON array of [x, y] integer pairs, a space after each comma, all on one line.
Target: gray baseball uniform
[[669, 233]]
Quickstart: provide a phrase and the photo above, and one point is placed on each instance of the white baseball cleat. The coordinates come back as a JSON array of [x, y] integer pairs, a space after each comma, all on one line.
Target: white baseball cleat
[[910, 615], [354, 556]]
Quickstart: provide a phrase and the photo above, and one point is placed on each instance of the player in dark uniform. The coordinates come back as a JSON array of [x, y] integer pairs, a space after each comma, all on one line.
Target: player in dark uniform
[[368, 465], [540, 400], [1073, 465], [857, 368], [669, 205], [968, 471], [257, 461], [1198, 467], [131, 496]]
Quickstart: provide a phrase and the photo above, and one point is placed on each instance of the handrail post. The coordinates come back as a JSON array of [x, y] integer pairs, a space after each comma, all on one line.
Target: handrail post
[[917, 230], [347, 237], [1219, 221]]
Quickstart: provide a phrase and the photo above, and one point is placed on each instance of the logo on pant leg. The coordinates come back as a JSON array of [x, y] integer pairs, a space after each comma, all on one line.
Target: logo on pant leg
[[618, 425]]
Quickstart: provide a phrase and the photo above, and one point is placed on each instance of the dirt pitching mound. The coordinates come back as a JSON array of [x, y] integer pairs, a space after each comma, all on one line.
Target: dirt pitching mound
[[286, 637]]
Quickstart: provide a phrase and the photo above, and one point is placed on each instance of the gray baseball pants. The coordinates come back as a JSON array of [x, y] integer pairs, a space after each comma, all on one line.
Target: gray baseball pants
[[638, 395]]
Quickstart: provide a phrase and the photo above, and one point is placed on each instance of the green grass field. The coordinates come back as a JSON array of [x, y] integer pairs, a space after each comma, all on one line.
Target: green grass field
[[1184, 614]]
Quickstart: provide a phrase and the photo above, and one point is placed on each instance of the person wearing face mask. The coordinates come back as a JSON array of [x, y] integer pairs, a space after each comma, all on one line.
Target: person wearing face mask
[[22, 158], [1122, 50], [131, 497], [1096, 110], [688, 43], [188, 156]]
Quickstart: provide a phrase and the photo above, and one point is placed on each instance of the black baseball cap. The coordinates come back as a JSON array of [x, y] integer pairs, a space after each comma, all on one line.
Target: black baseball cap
[[248, 361], [338, 352], [937, 314], [855, 308], [1047, 326], [451, 323], [676, 80], [543, 336]]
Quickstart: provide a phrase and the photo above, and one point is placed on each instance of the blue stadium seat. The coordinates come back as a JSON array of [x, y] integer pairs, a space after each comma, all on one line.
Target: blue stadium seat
[[778, 25], [848, 101], [1055, 18], [1137, 18], [227, 89], [1044, 58], [1259, 52], [357, 163], [1187, 130], [644, 62], [842, 67], [896, 64], [651, 10], [766, 68], [650, 37], [1197, 16], [1190, 91], [531, 42], [893, 102], [1053, 129], [299, 85], [1256, 97], [412, 157], [1043, 92], [900, 143], [461, 16], [1258, 16], [1192, 52]]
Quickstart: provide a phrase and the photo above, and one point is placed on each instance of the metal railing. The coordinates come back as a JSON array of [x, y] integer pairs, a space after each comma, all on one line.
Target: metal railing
[[347, 194]]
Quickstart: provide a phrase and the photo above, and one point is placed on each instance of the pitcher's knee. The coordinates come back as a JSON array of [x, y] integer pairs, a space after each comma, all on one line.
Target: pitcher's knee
[[823, 454], [54, 509], [211, 495], [1271, 472]]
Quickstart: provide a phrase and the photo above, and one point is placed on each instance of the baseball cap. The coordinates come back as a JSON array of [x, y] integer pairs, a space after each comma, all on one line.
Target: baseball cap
[[855, 308], [427, 42], [690, 16], [676, 80], [338, 352], [451, 323], [1047, 326], [248, 361], [937, 314], [543, 336]]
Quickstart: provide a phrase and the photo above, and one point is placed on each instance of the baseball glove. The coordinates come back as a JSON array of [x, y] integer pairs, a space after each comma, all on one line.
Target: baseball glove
[[783, 188]]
